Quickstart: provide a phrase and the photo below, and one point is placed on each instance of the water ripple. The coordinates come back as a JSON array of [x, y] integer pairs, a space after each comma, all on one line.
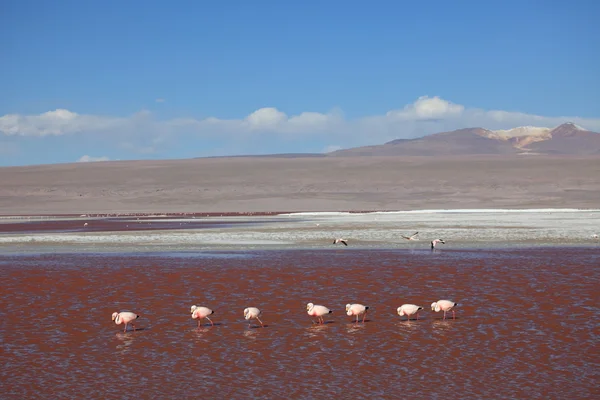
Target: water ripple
[[526, 325]]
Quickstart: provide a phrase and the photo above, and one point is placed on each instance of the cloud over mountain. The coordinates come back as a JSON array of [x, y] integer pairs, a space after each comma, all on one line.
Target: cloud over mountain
[[144, 130]]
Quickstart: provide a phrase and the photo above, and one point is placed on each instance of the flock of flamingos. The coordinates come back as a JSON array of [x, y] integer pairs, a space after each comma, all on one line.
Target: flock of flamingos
[[314, 310]]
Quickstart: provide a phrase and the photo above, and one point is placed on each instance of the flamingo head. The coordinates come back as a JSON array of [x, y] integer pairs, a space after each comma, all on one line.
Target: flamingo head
[[246, 313], [400, 311], [435, 307], [115, 315], [309, 306], [193, 308], [348, 306]]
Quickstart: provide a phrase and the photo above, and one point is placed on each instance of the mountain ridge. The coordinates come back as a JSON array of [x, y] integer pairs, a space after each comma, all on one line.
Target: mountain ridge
[[566, 139]]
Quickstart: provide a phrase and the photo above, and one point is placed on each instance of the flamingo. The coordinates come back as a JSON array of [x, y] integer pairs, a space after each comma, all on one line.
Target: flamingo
[[408, 310], [125, 317], [445, 306], [339, 240], [411, 237], [253, 313], [357, 309], [317, 311], [435, 242], [200, 313]]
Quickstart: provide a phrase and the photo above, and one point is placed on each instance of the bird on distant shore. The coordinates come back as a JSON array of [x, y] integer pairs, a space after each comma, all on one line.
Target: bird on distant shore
[[336, 241], [435, 242], [125, 317], [445, 306], [411, 237], [594, 236], [357, 310], [318, 311], [253, 313], [200, 313], [408, 310]]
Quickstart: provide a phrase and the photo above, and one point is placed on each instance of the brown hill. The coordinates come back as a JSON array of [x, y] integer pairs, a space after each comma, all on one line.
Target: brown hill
[[565, 139]]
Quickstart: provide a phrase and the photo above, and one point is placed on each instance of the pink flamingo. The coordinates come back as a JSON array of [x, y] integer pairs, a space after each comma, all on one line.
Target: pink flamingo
[[411, 237], [317, 311], [125, 317], [408, 310], [200, 313], [445, 306], [340, 240], [253, 313], [357, 309], [436, 241]]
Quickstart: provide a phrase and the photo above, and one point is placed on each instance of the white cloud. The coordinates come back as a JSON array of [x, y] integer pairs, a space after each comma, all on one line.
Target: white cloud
[[159, 100], [87, 158], [266, 119], [141, 132], [427, 108]]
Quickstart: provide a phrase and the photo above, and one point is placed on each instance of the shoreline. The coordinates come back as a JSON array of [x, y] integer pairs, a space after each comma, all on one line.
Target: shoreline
[[158, 215]]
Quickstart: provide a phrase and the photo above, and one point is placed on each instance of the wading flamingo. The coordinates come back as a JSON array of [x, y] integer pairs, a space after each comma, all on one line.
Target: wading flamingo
[[336, 241], [125, 317], [356, 310], [200, 313], [445, 306], [253, 313], [317, 311], [408, 310]]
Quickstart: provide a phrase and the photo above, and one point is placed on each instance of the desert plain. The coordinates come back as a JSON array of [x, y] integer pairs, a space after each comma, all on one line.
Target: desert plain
[[302, 183]]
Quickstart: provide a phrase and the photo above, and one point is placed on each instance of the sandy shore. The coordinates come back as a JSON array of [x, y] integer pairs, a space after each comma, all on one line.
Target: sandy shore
[[255, 184]]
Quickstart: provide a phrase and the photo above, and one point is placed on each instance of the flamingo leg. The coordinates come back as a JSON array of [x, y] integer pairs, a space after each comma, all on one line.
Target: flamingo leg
[[364, 316], [444, 315], [261, 323], [199, 324], [357, 318], [211, 323], [453, 315], [125, 330], [133, 327]]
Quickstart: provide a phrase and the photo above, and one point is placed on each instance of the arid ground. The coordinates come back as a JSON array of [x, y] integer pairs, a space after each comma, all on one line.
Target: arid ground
[[259, 184]]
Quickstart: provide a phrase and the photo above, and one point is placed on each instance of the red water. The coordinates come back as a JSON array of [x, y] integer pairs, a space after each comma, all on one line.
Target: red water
[[527, 325]]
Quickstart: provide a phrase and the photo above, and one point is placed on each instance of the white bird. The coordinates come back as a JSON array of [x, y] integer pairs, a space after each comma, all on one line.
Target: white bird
[[336, 241], [411, 237], [408, 310], [200, 313], [85, 224], [435, 242], [125, 317], [594, 236], [253, 313], [317, 311], [356, 310], [445, 306]]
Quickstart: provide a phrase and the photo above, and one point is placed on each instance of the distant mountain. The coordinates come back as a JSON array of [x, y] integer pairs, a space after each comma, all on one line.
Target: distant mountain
[[567, 138]]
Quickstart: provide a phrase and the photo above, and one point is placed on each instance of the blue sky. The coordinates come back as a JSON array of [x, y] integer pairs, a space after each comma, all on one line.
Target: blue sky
[[151, 80]]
